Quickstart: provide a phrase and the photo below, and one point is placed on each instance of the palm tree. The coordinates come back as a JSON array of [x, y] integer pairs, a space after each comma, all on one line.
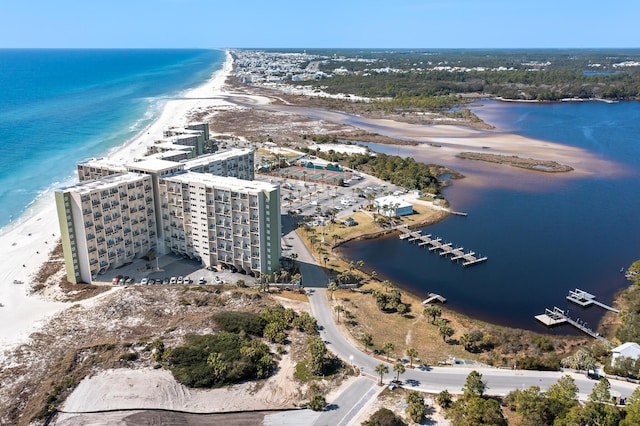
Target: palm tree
[[374, 275], [335, 238], [433, 312], [412, 353], [446, 331], [367, 339], [398, 367], [381, 369], [332, 287], [339, 309], [386, 284], [387, 348]]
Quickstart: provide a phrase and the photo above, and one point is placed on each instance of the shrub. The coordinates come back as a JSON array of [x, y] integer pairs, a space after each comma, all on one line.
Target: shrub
[[234, 322]]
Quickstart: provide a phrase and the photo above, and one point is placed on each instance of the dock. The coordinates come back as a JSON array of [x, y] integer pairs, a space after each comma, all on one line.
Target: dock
[[584, 299], [557, 316], [433, 297], [436, 244]]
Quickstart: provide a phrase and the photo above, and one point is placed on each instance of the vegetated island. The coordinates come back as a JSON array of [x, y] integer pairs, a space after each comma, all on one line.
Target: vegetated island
[[515, 161]]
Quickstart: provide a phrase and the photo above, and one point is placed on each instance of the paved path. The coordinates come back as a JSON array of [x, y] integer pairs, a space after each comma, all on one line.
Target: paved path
[[434, 379]]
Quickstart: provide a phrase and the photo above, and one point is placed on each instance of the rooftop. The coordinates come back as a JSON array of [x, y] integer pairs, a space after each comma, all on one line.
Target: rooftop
[[102, 183], [231, 183]]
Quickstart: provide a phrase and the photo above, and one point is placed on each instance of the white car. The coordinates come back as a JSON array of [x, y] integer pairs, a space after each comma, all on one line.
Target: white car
[[180, 280], [218, 280], [172, 280], [144, 281]]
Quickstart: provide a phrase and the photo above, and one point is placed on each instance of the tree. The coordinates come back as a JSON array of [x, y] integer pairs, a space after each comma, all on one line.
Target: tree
[[316, 351], [412, 353], [218, 365], [433, 312], [601, 391], [562, 396], [373, 275], [367, 340], [531, 405], [446, 331], [386, 284], [339, 309], [381, 369], [632, 409], [444, 399], [474, 385], [415, 406], [476, 411], [399, 368], [385, 417], [387, 347], [335, 238], [317, 403], [332, 287]]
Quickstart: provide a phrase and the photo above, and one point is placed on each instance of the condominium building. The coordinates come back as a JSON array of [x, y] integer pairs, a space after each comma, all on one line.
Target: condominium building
[[106, 223], [236, 162], [221, 220], [208, 208]]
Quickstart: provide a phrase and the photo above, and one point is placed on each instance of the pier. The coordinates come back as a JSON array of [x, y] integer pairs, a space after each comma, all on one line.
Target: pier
[[435, 244], [582, 298], [433, 297], [557, 316]]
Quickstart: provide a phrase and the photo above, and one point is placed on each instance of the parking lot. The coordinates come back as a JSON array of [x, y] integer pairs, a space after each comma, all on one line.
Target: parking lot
[[171, 265]]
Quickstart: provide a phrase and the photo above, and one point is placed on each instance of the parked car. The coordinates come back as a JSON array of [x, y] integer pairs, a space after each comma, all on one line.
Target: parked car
[[173, 280], [180, 280], [116, 279], [217, 280], [165, 281], [202, 281], [152, 281], [144, 281], [129, 280]]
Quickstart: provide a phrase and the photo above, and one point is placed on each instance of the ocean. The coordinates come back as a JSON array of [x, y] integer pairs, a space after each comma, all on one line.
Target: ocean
[[61, 106], [543, 234]]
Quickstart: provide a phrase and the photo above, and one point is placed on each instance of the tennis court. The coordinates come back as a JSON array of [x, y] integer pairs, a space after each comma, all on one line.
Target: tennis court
[[312, 175]]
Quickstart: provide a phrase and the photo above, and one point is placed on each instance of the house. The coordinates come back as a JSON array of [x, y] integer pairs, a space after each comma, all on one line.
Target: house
[[626, 350], [350, 222], [392, 206]]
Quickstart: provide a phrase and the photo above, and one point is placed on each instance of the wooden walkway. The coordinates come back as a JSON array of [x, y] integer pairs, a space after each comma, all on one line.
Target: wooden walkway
[[557, 316], [582, 298], [435, 244], [433, 297]]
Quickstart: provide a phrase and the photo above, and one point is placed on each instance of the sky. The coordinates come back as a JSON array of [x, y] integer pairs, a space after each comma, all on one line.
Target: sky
[[319, 23]]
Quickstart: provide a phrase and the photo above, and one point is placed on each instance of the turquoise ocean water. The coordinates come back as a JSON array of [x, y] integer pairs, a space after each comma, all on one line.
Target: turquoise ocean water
[[60, 106]]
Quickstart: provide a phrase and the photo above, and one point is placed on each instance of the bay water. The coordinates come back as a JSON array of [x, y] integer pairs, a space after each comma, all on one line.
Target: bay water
[[544, 234]]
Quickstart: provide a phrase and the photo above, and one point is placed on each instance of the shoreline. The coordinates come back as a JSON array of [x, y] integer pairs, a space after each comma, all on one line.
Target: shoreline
[[28, 240]]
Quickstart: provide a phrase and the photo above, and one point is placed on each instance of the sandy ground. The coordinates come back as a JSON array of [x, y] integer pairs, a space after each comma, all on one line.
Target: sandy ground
[[26, 243]]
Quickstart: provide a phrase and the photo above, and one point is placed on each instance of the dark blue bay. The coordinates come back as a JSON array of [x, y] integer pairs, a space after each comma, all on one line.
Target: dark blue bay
[[544, 235]]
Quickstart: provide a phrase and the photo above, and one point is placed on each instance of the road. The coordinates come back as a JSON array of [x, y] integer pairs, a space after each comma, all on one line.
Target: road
[[432, 380]]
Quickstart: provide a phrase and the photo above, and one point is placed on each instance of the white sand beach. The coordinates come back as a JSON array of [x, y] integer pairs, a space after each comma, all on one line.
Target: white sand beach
[[27, 242]]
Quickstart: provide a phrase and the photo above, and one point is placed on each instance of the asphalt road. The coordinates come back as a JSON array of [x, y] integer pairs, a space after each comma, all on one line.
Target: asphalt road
[[432, 379]]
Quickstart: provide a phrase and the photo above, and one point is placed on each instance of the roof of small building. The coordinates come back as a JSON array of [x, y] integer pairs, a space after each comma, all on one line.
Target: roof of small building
[[628, 349], [391, 199]]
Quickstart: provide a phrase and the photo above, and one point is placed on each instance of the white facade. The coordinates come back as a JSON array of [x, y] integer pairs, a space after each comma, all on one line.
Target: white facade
[[626, 350], [238, 163], [105, 223], [392, 206], [221, 220]]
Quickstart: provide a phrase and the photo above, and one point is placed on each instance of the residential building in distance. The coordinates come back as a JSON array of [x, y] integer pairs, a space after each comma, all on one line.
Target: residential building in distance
[[238, 163], [222, 220], [106, 223]]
